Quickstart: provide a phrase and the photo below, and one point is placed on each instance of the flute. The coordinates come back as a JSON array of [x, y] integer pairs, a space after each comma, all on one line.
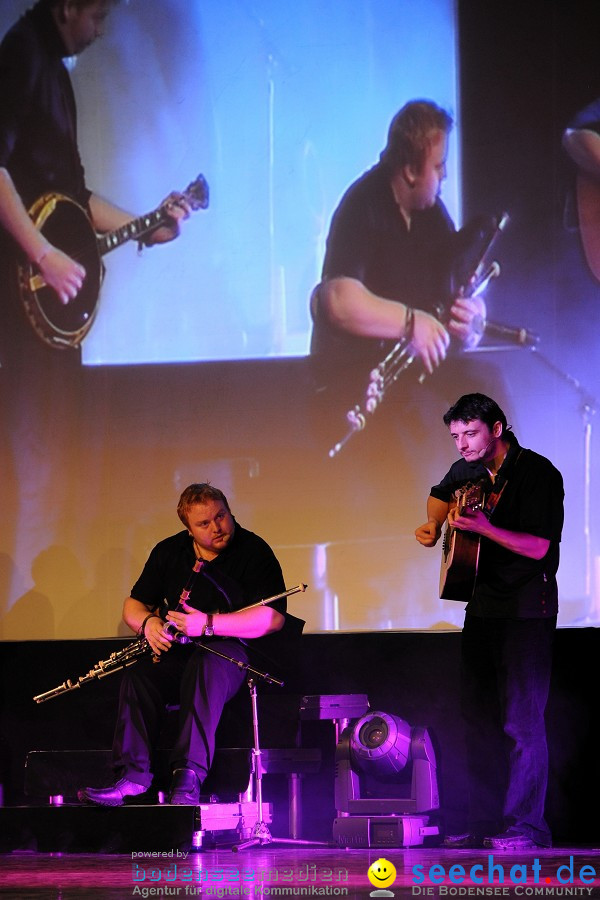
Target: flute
[[139, 647]]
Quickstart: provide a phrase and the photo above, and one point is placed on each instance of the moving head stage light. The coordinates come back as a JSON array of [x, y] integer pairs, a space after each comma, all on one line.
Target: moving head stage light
[[379, 746]]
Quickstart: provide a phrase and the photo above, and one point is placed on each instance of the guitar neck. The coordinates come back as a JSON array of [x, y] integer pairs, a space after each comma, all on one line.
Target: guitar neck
[[135, 230]]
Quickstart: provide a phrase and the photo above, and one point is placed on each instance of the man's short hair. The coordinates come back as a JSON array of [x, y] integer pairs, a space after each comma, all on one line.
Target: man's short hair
[[199, 493], [476, 406], [411, 134]]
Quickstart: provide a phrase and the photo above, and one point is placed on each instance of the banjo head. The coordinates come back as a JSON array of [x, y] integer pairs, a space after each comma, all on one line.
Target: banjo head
[[67, 226]]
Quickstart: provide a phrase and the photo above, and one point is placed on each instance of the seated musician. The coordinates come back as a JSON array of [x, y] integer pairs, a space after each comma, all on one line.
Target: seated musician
[[387, 259], [235, 569]]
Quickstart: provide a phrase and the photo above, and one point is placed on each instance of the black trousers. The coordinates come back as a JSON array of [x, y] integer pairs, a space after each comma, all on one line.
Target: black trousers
[[200, 682], [505, 678]]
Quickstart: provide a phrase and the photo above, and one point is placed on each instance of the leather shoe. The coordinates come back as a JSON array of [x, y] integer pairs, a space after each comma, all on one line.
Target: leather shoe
[[185, 788], [464, 841], [512, 839], [113, 795]]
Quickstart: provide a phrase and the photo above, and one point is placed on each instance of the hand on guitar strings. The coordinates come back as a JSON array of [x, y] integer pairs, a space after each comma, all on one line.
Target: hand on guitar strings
[[177, 208], [469, 520], [60, 272]]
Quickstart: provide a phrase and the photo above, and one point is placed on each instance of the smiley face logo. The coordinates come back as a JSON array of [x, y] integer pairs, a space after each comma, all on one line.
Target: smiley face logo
[[382, 873]]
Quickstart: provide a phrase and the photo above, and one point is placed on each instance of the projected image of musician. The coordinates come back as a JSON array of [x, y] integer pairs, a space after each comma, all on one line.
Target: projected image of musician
[[387, 268], [196, 584], [386, 263], [512, 605], [39, 154]]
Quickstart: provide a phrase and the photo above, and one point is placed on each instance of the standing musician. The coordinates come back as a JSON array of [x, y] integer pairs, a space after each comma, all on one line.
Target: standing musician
[[236, 568], [39, 153], [509, 623], [388, 255]]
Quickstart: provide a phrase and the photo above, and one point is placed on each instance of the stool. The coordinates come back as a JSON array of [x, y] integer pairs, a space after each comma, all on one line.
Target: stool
[[294, 763]]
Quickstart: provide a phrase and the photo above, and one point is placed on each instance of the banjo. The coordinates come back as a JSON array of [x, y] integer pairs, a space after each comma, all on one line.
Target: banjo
[[67, 226]]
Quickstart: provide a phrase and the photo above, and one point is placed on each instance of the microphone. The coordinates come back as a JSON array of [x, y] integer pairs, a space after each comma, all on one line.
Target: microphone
[[510, 334], [522, 337], [482, 453]]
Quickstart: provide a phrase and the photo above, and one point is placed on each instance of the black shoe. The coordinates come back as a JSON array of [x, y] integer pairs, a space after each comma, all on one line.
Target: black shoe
[[463, 841], [113, 795], [185, 788], [512, 839]]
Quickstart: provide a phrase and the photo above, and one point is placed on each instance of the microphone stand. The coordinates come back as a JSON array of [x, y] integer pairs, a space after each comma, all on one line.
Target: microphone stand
[[589, 407], [244, 666], [261, 834]]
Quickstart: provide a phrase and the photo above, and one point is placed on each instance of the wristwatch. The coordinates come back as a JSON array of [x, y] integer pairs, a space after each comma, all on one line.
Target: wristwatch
[[208, 630]]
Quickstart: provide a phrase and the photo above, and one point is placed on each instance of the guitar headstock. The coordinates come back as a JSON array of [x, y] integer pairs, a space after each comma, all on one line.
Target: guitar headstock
[[470, 496], [196, 193]]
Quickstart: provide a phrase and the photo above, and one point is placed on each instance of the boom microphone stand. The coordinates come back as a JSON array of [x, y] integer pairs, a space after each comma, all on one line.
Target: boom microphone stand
[[261, 834], [589, 407]]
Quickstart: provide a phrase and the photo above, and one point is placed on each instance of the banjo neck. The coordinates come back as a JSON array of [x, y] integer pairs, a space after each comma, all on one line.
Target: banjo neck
[[196, 195], [135, 229]]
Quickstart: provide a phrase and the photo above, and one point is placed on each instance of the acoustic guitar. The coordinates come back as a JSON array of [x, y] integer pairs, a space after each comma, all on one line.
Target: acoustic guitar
[[460, 551], [67, 226], [588, 208]]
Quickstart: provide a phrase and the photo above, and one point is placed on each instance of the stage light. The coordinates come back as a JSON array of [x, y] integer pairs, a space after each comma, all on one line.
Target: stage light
[[382, 745]]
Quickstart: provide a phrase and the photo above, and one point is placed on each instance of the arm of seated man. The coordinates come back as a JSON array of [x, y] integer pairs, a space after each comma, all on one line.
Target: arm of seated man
[[244, 623], [350, 306], [135, 615]]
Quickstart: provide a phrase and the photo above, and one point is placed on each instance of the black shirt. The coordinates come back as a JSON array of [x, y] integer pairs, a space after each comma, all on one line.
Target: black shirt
[[246, 571], [509, 585], [370, 242], [38, 123], [38, 147]]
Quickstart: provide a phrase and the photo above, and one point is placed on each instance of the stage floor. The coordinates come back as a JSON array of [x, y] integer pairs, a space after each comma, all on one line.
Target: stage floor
[[279, 870]]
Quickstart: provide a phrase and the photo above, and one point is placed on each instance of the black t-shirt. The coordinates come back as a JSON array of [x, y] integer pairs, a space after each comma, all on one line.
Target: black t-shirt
[[509, 585], [38, 147], [246, 571], [370, 242], [38, 123]]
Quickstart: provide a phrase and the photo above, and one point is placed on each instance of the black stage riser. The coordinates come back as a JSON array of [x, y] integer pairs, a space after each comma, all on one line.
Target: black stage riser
[[411, 675], [86, 829]]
